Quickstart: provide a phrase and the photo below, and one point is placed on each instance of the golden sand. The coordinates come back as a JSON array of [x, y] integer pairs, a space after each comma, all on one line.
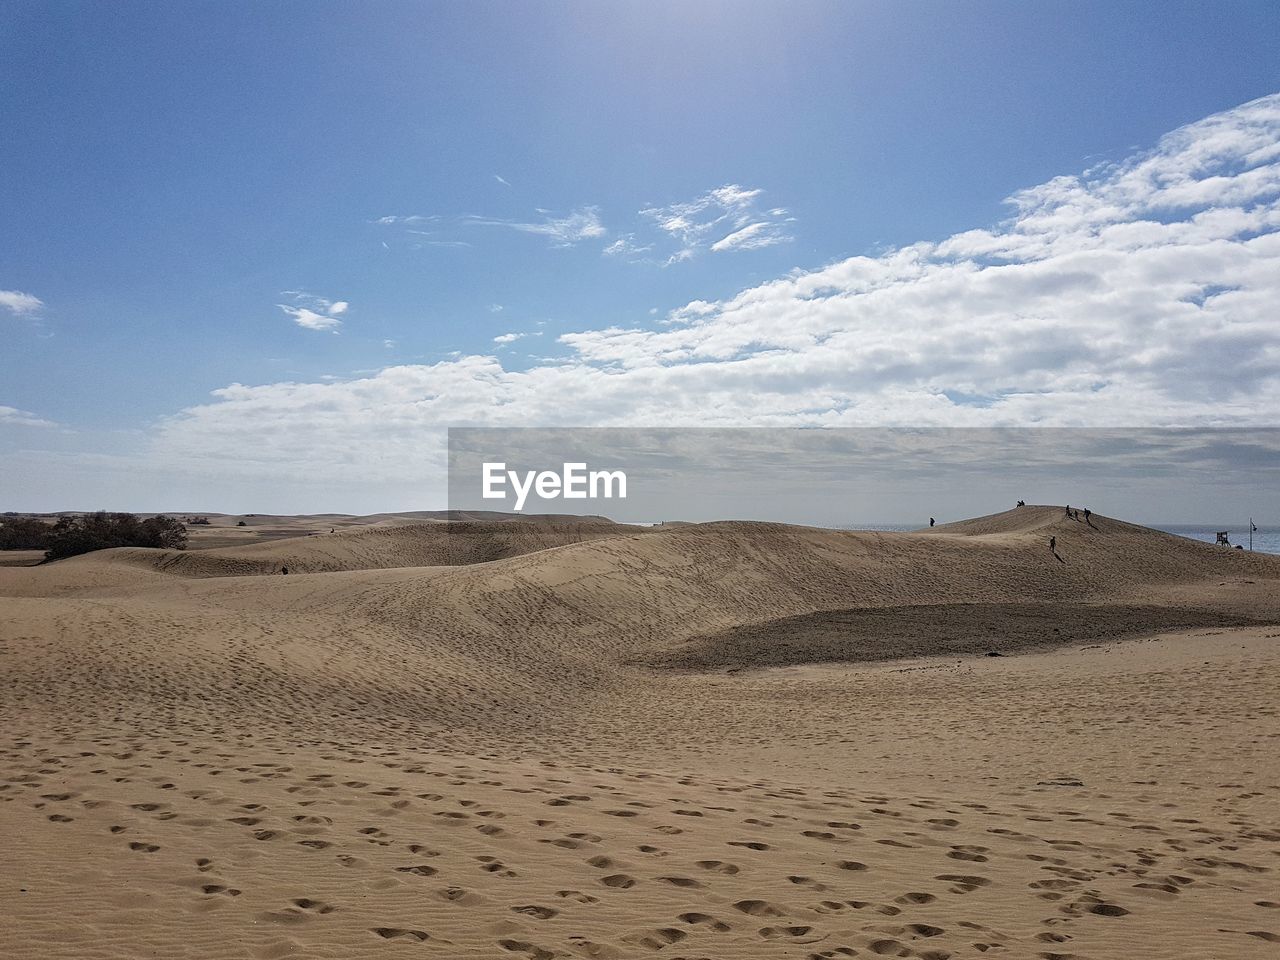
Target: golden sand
[[541, 739]]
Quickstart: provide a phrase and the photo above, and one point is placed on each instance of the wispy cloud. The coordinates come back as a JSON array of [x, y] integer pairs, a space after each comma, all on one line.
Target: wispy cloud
[[19, 303], [393, 220], [566, 230], [723, 219], [563, 231], [502, 180], [13, 417], [432, 238], [761, 233], [627, 246], [312, 312]]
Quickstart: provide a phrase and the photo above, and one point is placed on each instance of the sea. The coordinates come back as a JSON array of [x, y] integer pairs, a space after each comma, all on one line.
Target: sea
[[1265, 539]]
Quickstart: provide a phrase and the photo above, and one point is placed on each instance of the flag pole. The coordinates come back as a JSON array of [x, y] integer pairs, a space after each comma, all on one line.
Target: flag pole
[[1251, 528]]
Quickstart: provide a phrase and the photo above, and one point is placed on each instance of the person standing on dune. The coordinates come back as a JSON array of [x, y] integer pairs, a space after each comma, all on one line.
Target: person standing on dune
[[1053, 545]]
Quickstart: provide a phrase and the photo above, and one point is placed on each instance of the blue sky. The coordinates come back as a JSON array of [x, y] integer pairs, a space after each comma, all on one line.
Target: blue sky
[[387, 218]]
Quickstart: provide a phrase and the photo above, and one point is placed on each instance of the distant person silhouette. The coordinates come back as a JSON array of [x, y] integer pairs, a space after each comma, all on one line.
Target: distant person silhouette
[[1087, 514], [1022, 503], [931, 521], [1053, 544]]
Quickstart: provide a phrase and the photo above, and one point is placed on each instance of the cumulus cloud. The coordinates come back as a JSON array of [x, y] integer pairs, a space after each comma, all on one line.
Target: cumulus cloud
[[19, 303], [1141, 293]]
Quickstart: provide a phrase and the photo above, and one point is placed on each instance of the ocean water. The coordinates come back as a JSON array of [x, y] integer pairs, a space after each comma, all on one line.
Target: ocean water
[[1265, 539]]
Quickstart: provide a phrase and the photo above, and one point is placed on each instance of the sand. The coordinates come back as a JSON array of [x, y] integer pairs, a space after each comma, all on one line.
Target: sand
[[575, 739]]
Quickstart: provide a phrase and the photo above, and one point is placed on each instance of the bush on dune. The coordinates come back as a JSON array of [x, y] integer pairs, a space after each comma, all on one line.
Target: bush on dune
[[71, 536], [24, 533]]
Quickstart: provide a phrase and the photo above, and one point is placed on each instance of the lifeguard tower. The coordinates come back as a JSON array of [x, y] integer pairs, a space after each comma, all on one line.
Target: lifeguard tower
[[1223, 540]]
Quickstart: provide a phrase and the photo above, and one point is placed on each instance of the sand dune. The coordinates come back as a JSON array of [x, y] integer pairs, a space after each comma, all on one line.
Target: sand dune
[[379, 545], [497, 738]]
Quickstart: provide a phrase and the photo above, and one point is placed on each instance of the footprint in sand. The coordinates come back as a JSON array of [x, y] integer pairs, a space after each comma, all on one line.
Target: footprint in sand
[[705, 920], [533, 910], [577, 896], [915, 898], [397, 933], [680, 881], [717, 866], [523, 946], [313, 906], [799, 934], [213, 889], [421, 870], [963, 883], [656, 939], [759, 908], [808, 882]]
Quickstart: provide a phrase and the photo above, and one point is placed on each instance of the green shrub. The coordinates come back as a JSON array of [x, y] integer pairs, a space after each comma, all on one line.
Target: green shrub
[[24, 533], [102, 530]]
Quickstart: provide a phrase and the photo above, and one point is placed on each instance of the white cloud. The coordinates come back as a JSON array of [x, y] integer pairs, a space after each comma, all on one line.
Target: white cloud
[[19, 303], [581, 224], [729, 213], [627, 246], [431, 238], [753, 236], [314, 313], [506, 338], [1138, 294], [12, 416], [412, 218], [310, 319], [502, 180]]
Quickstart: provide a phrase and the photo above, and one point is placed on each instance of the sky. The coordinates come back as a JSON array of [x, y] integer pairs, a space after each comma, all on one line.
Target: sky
[[256, 257]]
